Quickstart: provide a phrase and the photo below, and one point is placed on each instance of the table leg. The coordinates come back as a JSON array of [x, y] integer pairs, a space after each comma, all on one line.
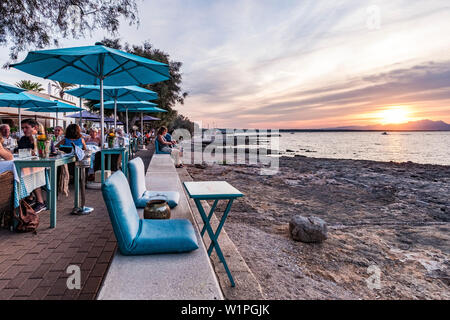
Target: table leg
[[109, 161], [124, 164], [222, 221], [209, 216], [214, 237], [102, 166], [19, 186], [52, 202], [77, 186]]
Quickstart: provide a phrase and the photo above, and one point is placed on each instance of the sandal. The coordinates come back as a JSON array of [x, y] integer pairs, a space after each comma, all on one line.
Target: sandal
[[179, 166]]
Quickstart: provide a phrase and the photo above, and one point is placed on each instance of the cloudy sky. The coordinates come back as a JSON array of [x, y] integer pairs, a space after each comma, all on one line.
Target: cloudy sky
[[299, 64]]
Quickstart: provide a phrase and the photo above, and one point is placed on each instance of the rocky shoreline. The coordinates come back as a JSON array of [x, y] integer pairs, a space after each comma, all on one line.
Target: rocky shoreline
[[387, 221]]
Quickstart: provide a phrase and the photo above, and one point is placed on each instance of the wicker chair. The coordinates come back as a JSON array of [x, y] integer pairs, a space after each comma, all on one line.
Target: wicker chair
[[6, 199]]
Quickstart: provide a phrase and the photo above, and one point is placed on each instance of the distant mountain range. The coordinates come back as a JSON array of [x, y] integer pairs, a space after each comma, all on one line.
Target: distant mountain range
[[420, 125]]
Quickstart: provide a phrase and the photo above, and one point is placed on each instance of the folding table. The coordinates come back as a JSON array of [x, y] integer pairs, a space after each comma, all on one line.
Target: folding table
[[213, 190], [51, 163]]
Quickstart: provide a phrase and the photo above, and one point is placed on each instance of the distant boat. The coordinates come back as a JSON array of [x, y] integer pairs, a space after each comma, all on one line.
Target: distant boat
[[384, 133], [292, 132]]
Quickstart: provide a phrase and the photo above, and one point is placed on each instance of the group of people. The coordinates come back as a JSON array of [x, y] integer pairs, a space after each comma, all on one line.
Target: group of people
[[73, 134]]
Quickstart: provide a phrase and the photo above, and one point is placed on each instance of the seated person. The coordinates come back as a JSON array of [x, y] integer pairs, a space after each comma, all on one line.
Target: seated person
[[58, 131], [168, 138], [167, 146], [73, 135], [93, 137], [30, 128], [5, 154], [9, 142]]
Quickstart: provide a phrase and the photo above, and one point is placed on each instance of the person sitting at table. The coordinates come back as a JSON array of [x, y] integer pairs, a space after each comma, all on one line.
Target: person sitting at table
[[30, 128], [8, 140], [5, 154], [73, 135], [59, 133], [166, 146], [93, 137], [5, 131]]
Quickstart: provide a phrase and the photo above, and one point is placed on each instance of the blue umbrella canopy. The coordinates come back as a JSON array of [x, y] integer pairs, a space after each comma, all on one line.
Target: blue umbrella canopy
[[9, 88], [119, 93], [23, 100], [148, 118], [90, 116], [116, 93], [132, 106], [123, 105], [90, 64], [93, 65], [59, 107]]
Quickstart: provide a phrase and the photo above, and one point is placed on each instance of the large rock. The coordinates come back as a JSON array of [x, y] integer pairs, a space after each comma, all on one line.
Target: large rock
[[311, 229]]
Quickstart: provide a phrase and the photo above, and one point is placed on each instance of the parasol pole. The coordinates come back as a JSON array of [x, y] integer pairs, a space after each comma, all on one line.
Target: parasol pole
[[126, 112], [142, 124], [20, 123], [102, 120], [81, 106], [115, 112]]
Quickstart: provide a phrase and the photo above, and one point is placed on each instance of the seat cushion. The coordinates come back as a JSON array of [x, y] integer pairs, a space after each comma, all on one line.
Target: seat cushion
[[172, 198], [137, 178], [121, 209], [164, 236]]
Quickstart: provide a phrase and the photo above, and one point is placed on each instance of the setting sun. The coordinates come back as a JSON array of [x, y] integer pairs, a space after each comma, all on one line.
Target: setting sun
[[394, 115]]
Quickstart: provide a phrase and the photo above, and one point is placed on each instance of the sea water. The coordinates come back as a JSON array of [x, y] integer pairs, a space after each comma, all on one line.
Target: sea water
[[431, 147]]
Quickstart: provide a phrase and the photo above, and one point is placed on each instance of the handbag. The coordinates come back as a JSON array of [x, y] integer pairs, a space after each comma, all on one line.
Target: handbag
[[28, 219]]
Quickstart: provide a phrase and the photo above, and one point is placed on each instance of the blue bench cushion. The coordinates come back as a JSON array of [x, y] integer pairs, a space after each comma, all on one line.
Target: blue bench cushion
[[138, 236], [158, 148], [161, 236], [137, 183], [122, 211]]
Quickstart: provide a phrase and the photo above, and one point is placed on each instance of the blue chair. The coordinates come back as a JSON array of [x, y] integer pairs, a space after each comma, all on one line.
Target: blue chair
[[157, 149], [143, 236], [138, 189]]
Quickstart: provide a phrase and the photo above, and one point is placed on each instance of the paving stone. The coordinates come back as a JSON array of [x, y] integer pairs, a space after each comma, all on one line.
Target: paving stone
[[99, 270], [12, 272], [92, 285], [105, 257], [88, 264], [41, 271], [39, 293], [61, 265], [27, 287], [6, 294], [50, 278], [58, 288], [17, 281]]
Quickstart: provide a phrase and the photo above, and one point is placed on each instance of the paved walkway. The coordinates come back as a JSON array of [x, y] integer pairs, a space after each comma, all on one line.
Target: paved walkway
[[33, 266]]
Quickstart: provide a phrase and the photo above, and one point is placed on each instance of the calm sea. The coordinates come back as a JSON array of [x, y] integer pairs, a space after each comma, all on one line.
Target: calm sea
[[419, 147]]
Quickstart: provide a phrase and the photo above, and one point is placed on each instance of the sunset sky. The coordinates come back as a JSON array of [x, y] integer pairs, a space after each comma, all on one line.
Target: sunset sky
[[298, 64]]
